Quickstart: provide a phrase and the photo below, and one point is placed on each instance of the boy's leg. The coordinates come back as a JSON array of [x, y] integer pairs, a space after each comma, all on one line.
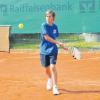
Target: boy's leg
[[48, 72], [54, 79], [53, 70], [53, 74], [49, 81], [53, 59], [45, 61]]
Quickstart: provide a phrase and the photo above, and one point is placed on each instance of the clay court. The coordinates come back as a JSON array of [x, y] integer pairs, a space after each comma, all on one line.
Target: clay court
[[23, 78]]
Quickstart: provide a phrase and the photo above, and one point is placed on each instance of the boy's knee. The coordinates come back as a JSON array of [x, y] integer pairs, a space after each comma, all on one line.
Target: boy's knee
[[52, 67]]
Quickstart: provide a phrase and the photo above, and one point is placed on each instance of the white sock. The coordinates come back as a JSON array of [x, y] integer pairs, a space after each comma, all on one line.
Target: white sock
[[55, 86]]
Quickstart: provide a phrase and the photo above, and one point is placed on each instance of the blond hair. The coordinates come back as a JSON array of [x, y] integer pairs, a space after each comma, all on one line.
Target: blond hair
[[50, 12]]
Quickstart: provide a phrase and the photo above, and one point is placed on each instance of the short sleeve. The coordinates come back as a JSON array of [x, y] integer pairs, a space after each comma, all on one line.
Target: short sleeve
[[43, 29]]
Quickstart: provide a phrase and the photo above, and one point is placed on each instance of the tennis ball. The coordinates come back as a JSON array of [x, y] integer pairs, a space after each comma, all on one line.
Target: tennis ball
[[21, 26]]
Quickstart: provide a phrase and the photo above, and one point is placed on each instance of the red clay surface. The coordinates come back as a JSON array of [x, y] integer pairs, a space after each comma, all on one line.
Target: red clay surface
[[23, 78]]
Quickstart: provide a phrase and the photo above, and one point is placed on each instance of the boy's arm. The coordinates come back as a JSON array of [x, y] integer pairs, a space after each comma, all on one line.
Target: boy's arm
[[48, 38]]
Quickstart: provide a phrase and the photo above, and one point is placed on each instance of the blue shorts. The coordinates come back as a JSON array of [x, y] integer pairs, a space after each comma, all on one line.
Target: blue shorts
[[46, 60]]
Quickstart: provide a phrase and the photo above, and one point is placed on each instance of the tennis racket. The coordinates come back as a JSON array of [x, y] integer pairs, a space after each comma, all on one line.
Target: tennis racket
[[76, 54]]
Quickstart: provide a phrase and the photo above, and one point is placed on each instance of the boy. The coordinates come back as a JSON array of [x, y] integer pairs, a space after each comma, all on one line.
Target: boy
[[49, 50]]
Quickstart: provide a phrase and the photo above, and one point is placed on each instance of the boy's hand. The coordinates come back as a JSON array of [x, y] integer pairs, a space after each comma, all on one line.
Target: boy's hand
[[62, 45]]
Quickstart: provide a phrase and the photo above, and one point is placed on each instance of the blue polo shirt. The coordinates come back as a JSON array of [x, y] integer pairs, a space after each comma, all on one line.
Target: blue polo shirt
[[46, 47]]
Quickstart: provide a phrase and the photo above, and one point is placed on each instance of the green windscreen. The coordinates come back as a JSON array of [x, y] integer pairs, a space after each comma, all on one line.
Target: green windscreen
[[71, 15]]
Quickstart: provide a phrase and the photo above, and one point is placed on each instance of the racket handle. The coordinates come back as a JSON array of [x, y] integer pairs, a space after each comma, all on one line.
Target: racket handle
[[65, 48]]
